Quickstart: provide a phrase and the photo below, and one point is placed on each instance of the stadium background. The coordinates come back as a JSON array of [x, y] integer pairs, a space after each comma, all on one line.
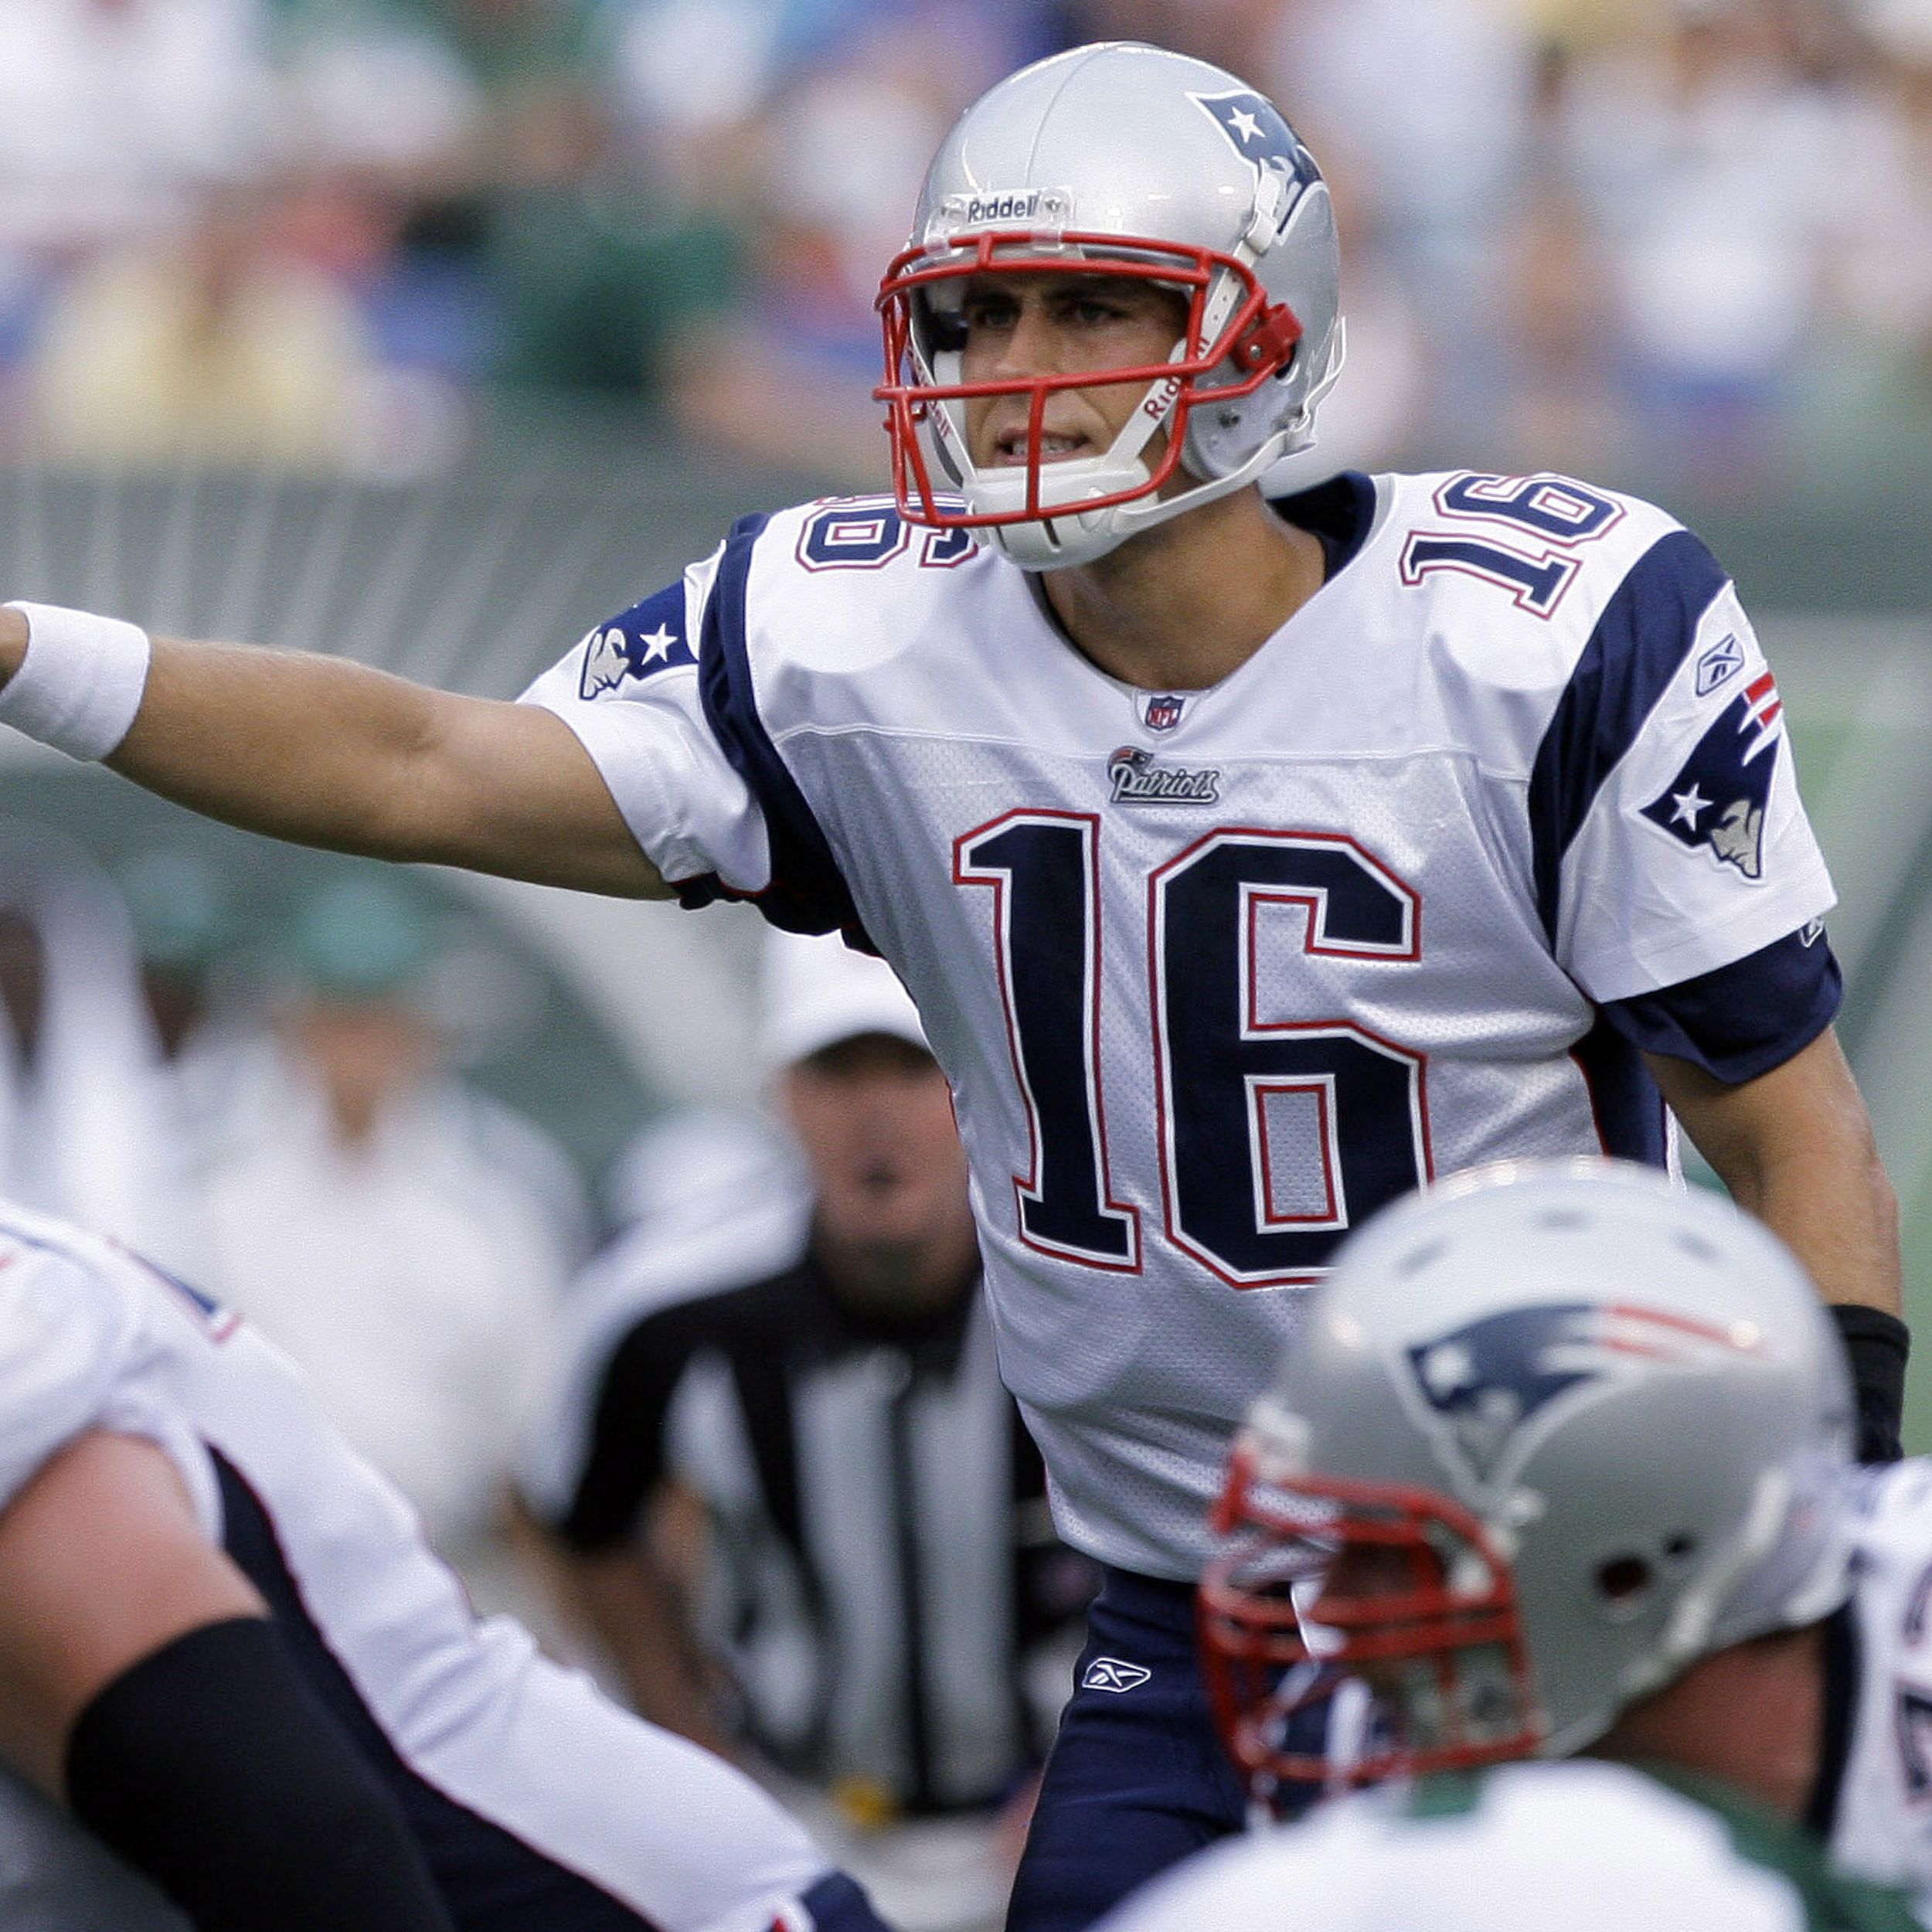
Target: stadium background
[[433, 331]]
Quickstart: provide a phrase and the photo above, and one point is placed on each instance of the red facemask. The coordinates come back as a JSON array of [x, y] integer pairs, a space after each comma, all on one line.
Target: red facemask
[[1254, 339], [1323, 1580]]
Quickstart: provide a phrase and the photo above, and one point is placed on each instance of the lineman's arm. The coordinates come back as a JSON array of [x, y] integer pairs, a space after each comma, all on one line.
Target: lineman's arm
[[142, 1683], [325, 752], [1795, 1147], [101, 1564]]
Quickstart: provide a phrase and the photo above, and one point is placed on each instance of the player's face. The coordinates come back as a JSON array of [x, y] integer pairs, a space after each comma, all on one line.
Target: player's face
[[1368, 1580], [367, 1053], [875, 1118], [1035, 324]]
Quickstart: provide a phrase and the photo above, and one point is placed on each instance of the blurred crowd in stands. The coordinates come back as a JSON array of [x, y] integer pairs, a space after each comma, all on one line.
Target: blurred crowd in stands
[[268, 1101], [1605, 233]]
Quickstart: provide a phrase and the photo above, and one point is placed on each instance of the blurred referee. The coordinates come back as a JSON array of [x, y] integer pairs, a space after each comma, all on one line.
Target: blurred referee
[[808, 1358]]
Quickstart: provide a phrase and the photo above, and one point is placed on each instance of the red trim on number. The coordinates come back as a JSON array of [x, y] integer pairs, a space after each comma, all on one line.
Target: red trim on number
[[1323, 1089], [878, 509], [1521, 594]]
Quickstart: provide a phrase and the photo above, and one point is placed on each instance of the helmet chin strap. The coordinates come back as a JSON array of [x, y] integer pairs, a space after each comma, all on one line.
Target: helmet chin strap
[[1064, 535]]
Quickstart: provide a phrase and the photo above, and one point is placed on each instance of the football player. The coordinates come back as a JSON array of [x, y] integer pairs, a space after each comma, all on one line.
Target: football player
[[224, 1643], [1251, 862], [1560, 1463]]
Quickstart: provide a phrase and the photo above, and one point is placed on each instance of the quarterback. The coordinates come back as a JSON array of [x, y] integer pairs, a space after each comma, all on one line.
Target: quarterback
[[1252, 862], [1560, 1464]]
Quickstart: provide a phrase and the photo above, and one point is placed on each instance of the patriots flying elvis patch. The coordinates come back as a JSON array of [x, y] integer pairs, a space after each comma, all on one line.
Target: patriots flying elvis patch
[[1717, 800], [647, 639], [1256, 132]]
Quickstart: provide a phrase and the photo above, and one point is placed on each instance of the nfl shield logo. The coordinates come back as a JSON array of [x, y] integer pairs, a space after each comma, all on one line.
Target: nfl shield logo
[[1164, 713]]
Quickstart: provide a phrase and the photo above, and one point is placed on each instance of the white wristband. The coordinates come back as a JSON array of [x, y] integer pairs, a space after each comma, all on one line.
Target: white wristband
[[80, 684]]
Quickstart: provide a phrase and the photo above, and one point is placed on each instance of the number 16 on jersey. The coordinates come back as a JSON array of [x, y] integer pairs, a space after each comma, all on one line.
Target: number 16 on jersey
[[1276, 1135]]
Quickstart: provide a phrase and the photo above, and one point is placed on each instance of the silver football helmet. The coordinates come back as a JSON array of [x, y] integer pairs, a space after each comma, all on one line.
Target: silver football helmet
[[1549, 1433], [1115, 160]]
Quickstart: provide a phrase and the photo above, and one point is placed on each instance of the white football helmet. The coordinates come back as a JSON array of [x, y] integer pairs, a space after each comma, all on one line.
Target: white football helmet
[[1549, 1433], [1116, 159]]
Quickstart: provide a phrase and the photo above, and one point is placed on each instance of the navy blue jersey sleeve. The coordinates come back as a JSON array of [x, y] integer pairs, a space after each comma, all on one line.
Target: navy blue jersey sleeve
[[806, 893], [1637, 648], [1742, 1019]]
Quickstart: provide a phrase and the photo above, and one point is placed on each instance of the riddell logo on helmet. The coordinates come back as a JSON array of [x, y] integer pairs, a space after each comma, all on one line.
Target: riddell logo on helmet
[[1029, 206], [1004, 207], [1158, 400]]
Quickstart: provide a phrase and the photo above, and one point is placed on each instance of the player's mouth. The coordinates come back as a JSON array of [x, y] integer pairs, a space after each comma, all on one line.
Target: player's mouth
[[1011, 448]]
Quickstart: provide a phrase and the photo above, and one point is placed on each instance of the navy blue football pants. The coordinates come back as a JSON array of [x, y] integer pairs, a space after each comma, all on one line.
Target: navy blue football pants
[[1137, 1779]]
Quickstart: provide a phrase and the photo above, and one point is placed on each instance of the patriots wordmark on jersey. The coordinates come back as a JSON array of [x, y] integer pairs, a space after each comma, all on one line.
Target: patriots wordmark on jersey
[[1377, 907], [538, 1804]]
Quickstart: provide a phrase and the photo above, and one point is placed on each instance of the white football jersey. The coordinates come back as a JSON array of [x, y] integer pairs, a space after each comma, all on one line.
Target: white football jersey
[[91, 1338], [1882, 1826], [1216, 974], [1576, 1847]]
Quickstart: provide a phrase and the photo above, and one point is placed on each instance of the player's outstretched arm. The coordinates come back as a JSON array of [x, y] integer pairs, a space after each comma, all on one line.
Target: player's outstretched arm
[[325, 752], [142, 1683], [1795, 1147]]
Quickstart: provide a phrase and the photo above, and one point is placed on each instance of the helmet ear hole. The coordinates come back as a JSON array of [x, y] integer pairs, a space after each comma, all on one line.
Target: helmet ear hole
[[1624, 1583]]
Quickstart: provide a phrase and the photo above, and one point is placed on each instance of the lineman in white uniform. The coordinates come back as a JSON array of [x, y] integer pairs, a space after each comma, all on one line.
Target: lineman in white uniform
[[534, 1802], [1560, 1463], [1250, 863]]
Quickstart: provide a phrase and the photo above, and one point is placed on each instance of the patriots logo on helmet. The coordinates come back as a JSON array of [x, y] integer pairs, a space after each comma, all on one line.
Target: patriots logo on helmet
[[1717, 800], [1490, 1391], [1254, 128], [647, 639]]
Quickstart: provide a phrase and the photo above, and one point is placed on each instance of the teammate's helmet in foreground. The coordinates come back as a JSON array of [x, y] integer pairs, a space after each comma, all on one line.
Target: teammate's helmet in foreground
[[1548, 1434], [1116, 159]]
